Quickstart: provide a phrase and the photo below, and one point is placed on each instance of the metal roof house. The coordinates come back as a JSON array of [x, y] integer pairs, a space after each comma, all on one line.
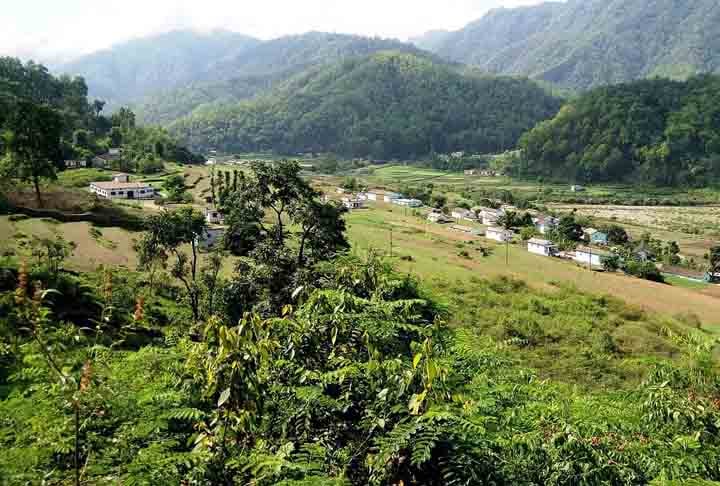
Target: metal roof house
[[499, 234], [542, 247], [591, 256]]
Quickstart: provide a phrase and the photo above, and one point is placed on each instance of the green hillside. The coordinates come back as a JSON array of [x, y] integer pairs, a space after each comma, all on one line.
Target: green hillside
[[255, 70], [659, 131], [585, 43], [389, 105]]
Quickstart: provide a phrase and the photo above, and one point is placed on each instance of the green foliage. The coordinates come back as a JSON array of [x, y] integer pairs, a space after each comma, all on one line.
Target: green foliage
[[252, 69], [659, 132], [32, 144], [579, 45], [359, 377], [393, 105]]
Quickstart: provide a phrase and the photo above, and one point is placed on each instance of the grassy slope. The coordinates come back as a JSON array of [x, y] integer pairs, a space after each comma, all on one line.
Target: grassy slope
[[436, 256]]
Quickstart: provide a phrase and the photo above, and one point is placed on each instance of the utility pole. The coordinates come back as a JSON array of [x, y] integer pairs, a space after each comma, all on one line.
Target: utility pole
[[507, 250], [391, 241]]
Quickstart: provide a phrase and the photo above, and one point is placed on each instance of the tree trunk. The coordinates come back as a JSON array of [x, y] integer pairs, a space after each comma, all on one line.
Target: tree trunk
[[36, 183]]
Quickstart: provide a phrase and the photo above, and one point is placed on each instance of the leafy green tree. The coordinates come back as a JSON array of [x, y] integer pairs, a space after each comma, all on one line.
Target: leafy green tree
[[173, 233], [350, 184], [52, 253], [616, 235], [124, 118], [714, 259], [116, 137], [175, 187], [32, 144]]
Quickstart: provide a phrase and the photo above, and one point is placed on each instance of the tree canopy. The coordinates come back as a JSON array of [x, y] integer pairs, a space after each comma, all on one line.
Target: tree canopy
[[660, 132], [388, 105]]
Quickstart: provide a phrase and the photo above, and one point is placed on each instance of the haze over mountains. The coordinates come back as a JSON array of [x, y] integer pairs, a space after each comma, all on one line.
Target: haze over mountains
[[587, 43], [239, 92]]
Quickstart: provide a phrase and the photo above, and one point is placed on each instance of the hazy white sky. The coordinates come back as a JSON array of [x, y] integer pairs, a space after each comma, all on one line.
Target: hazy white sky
[[47, 29]]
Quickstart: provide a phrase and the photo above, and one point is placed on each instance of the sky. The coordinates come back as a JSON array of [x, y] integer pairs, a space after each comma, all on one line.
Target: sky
[[56, 30]]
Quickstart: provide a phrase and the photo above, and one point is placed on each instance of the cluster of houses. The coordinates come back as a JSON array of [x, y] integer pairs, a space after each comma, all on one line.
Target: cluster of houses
[[103, 161], [358, 200], [481, 172], [587, 255]]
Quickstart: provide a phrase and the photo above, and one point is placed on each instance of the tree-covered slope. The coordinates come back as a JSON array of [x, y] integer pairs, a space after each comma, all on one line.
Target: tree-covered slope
[[255, 70], [129, 71], [386, 105], [658, 131], [586, 43]]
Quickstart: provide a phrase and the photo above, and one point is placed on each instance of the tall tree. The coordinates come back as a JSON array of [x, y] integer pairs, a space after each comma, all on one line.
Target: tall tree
[[172, 232], [32, 144]]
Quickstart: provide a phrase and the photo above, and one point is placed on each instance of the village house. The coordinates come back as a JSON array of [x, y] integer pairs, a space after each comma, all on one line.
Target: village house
[[542, 247], [471, 172], [712, 277], [490, 216], [390, 197], [408, 203], [545, 224], [75, 164], [499, 234], [590, 256], [577, 188], [352, 203], [122, 188], [214, 216], [466, 214], [595, 237], [105, 161], [599, 238], [465, 229], [437, 216]]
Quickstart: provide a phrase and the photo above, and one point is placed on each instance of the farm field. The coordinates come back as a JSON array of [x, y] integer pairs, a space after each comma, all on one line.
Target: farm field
[[435, 253], [695, 228], [95, 246]]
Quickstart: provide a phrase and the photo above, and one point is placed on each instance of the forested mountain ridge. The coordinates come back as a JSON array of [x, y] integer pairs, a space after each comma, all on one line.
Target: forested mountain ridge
[[587, 43], [657, 131], [129, 71], [387, 105], [260, 68]]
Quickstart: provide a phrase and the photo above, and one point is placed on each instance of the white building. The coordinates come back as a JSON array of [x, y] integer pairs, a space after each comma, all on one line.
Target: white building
[[213, 216], [577, 188], [122, 188], [466, 214], [372, 196], [499, 234], [490, 216], [75, 163], [352, 203], [392, 197], [590, 256], [465, 229], [542, 247], [408, 203], [437, 216]]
